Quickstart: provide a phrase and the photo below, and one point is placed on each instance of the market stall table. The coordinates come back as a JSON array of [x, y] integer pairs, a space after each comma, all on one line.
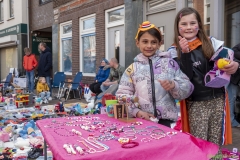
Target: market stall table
[[57, 132]]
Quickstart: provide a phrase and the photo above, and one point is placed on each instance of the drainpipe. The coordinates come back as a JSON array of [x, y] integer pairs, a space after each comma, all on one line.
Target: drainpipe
[[28, 22]]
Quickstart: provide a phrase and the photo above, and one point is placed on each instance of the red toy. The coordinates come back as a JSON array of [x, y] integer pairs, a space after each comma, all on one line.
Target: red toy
[[107, 96]]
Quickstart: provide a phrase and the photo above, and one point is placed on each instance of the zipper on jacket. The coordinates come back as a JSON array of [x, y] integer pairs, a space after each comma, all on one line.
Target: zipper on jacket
[[153, 87]]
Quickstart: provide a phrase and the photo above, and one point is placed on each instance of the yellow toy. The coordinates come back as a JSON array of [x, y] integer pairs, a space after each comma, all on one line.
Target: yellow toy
[[221, 63]]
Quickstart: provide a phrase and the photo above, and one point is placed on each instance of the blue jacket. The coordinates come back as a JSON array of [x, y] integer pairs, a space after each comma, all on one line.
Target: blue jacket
[[102, 74], [45, 63]]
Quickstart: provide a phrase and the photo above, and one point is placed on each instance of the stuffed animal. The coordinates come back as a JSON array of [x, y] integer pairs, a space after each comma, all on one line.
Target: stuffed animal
[[20, 142]]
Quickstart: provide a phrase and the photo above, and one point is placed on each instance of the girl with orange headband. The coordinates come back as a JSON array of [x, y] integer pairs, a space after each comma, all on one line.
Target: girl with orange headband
[[154, 78]]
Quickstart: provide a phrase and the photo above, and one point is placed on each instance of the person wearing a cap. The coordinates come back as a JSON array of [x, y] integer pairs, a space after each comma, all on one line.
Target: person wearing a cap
[[101, 76]]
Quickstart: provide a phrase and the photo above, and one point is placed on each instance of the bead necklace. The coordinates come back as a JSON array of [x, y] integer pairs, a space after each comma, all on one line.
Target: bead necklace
[[64, 135], [157, 136], [145, 140], [72, 123]]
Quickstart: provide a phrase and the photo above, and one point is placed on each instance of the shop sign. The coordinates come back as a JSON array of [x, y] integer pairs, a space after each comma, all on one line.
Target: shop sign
[[37, 40], [14, 30]]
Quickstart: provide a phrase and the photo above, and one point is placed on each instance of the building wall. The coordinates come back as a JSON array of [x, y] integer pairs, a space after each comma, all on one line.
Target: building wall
[[20, 14], [77, 9], [41, 16]]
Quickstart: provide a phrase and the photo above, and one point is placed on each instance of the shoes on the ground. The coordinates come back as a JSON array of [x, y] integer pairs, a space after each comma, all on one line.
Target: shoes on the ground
[[50, 98]]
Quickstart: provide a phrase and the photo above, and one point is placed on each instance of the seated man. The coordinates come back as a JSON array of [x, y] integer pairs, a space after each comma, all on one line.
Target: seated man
[[111, 84]]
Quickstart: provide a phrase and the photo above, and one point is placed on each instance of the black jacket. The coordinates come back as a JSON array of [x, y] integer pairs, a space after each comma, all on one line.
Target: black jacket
[[45, 63], [196, 66], [235, 78]]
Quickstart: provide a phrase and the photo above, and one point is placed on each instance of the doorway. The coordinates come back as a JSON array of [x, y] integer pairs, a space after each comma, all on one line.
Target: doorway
[[116, 45]]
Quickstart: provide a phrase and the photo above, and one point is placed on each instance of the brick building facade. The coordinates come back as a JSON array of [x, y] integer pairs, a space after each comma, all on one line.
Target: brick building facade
[[73, 11]]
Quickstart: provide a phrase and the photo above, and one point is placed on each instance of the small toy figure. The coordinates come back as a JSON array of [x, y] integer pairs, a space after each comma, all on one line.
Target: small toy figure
[[222, 62]]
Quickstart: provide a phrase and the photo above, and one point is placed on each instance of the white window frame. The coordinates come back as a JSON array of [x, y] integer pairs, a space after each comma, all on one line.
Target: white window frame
[[64, 36], [111, 24], [83, 32], [205, 11]]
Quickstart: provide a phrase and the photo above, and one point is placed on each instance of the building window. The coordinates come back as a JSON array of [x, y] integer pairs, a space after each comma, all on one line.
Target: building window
[[66, 47], [206, 11], [1, 12], [116, 15], [162, 47], [11, 6], [189, 3], [44, 1], [88, 45]]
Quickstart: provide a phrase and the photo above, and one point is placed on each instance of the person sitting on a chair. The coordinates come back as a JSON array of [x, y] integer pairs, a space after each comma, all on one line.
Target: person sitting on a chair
[[43, 90], [101, 76]]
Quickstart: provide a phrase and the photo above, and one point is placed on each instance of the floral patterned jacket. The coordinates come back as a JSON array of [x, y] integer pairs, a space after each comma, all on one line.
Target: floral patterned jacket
[[140, 78]]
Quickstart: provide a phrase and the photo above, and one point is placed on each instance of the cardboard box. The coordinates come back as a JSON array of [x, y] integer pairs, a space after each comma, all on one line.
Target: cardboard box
[[21, 82]]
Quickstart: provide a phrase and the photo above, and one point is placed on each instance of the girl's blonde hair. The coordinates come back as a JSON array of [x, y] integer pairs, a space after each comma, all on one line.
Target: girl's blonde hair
[[206, 43], [41, 78]]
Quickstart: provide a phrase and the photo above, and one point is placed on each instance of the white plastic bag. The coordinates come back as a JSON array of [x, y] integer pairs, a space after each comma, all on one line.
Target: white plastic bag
[[87, 93]]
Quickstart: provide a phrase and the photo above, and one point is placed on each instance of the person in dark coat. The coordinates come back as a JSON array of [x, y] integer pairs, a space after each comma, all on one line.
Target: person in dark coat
[[101, 76], [45, 63], [67, 64], [232, 89]]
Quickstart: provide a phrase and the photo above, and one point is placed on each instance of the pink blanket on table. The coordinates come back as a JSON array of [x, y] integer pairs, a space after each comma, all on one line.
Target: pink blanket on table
[[178, 147]]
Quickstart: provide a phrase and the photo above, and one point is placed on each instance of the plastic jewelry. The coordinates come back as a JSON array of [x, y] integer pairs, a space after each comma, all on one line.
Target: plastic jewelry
[[158, 131], [76, 132], [130, 132], [145, 140], [151, 127], [79, 149], [171, 133], [157, 136], [130, 144], [66, 131], [137, 123], [72, 150], [91, 139], [144, 132], [66, 147], [90, 150], [131, 137], [123, 140]]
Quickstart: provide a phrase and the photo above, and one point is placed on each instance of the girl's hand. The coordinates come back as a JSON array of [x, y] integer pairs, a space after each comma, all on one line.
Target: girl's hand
[[183, 44], [167, 84], [231, 68], [144, 115]]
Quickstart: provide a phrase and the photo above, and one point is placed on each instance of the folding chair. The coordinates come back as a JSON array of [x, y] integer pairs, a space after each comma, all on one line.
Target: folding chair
[[58, 82], [6, 83], [75, 85]]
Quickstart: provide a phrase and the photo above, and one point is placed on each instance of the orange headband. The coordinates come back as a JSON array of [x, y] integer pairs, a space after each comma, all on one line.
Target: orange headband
[[146, 26]]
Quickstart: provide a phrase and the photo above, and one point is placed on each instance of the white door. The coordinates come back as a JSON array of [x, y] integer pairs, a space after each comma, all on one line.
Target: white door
[[116, 44]]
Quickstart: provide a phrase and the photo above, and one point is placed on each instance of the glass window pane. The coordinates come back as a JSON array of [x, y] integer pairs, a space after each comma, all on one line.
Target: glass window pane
[[89, 23], [11, 8], [89, 54], [67, 55], [116, 15], [44, 1], [117, 45], [190, 3], [208, 13], [1, 11], [67, 29]]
